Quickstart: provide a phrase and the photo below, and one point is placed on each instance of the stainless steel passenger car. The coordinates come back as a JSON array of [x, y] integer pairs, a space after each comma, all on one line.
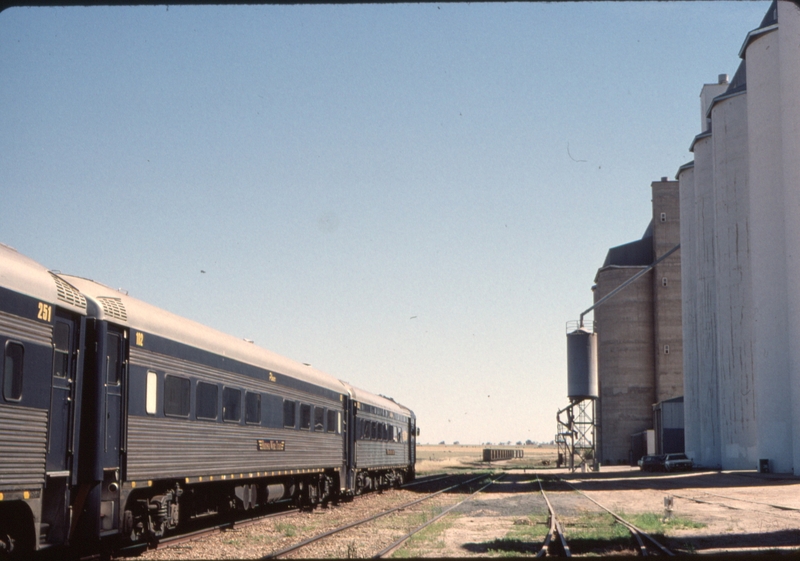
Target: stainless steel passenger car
[[120, 422], [383, 443], [194, 420], [42, 321]]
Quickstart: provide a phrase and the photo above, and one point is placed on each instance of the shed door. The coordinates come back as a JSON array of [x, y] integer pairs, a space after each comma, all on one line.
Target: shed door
[[59, 446]]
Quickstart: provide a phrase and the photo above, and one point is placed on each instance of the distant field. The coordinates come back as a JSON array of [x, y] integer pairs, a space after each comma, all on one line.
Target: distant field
[[433, 458]]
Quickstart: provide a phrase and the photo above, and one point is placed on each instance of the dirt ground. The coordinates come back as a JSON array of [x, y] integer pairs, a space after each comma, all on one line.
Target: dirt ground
[[735, 512]]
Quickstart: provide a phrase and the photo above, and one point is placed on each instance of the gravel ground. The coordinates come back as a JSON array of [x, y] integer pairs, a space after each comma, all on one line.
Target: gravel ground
[[733, 510], [267, 536]]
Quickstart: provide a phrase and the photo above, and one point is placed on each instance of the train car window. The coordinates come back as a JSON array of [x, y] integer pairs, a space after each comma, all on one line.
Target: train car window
[[151, 393], [207, 400], [60, 349], [176, 396], [272, 410], [374, 432], [252, 408], [305, 416], [289, 413], [231, 404], [113, 363], [12, 371], [333, 421], [319, 419]]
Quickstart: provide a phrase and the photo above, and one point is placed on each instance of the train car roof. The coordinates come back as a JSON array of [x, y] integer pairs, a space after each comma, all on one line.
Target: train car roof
[[382, 402], [26, 276], [117, 307]]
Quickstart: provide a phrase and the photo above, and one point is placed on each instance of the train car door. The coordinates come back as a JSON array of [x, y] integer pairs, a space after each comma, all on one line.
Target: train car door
[[412, 444], [114, 363], [113, 369], [349, 442], [59, 444], [63, 425]]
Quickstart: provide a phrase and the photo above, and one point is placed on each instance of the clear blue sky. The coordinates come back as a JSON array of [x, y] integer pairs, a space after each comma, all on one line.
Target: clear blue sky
[[413, 198]]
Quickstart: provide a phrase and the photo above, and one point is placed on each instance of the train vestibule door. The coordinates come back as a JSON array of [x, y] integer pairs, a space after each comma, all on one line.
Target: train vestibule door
[[59, 445], [59, 461], [113, 372]]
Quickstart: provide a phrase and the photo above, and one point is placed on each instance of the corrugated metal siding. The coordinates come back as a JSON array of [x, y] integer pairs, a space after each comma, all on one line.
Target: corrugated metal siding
[[23, 444], [370, 454], [164, 448], [29, 330]]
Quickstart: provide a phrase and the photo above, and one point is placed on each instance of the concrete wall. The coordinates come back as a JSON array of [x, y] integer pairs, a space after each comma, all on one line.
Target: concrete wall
[[689, 266], [624, 326], [668, 344], [768, 251], [706, 302], [740, 236], [789, 64], [736, 391]]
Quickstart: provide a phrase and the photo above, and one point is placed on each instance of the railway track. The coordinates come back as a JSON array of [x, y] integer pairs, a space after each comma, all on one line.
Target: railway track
[[645, 544], [556, 542], [369, 519], [200, 533], [377, 525]]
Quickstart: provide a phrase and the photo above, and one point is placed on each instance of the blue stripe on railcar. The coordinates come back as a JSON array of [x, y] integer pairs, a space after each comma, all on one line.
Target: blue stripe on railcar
[[170, 348]]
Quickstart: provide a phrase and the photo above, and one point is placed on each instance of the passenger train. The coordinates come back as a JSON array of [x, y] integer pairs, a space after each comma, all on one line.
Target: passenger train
[[121, 422]]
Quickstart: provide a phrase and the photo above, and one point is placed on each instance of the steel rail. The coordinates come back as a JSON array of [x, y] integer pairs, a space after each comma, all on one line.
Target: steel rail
[[555, 527], [194, 535], [634, 530], [430, 479], [323, 535], [394, 546]]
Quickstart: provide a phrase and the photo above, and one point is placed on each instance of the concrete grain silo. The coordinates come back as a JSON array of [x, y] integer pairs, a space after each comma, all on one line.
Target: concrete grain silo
[[706, 292], [689, 267], [740, 201], [789, 45], [768, 246], [736, 396], [625, 350]]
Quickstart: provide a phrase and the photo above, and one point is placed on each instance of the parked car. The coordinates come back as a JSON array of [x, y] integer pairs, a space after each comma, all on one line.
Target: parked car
[[674, 462], [651, 463]]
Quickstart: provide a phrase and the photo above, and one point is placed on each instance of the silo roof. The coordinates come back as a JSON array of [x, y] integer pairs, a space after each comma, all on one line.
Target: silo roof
[[633, 254]]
